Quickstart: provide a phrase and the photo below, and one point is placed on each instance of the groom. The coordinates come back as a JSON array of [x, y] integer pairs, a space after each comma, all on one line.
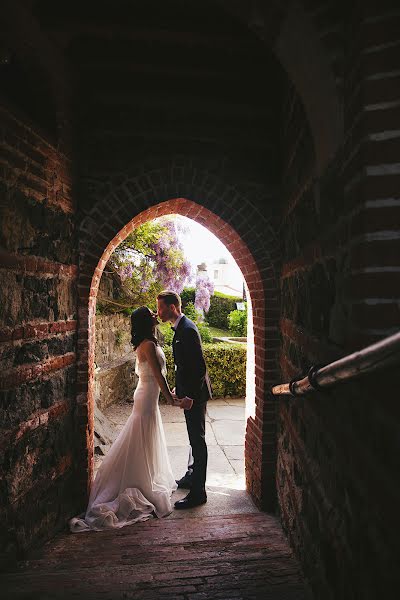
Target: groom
[[191, 382]]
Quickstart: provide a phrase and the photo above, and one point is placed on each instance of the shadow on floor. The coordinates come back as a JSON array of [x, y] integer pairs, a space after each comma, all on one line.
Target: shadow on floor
[[225, 549]]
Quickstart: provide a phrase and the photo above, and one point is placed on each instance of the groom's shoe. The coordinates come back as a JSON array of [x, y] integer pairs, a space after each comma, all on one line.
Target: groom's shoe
[[191, 500], [185, 483]]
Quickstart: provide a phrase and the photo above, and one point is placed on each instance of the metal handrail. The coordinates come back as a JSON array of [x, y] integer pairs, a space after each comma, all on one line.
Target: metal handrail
[[372, 358]]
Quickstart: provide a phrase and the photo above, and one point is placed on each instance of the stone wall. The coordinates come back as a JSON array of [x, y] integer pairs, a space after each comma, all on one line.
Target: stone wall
[[38, 322], [115, 378], [338, 451]]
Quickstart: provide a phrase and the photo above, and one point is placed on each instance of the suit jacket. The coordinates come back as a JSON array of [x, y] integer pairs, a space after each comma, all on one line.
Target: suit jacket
[[191, 377]]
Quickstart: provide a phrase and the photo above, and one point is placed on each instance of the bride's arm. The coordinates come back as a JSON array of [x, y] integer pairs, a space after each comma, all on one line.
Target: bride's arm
[[149, 351]]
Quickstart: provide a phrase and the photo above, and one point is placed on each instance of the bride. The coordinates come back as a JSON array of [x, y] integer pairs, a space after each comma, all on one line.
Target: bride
[[135, 479]]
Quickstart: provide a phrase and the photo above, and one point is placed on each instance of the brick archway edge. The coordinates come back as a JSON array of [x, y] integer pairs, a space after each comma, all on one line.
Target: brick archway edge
[[246, 233]]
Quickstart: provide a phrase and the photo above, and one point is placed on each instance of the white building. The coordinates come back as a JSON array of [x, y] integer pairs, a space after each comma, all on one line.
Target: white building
[[224, 276]]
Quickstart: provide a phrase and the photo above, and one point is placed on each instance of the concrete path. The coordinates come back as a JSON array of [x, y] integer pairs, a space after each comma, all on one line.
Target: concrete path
[[225, 430]]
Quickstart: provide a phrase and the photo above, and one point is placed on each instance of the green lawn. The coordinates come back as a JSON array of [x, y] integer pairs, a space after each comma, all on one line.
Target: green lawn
[[215, 332]]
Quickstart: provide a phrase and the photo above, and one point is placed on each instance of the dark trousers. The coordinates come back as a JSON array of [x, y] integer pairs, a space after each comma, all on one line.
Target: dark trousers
[[196, 427]]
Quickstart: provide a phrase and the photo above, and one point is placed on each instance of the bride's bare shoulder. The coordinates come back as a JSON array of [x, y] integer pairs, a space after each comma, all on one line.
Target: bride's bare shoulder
[[146, 347]]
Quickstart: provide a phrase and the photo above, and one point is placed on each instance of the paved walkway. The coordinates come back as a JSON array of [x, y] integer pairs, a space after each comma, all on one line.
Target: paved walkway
[[225, 442], [225, 549]]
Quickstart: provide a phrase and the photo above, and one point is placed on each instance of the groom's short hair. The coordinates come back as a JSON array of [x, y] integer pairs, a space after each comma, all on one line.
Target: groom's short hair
[[170, 298]]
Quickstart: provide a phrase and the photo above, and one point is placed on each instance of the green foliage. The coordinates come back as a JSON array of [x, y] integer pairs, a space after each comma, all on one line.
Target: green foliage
[[226, 364], [237, 322], [170, 366], [134, 260], [140, 240], [195, 316], [191, 312], [148, 260], [167, 333], [188, 295], [205, 333], [220, 307]]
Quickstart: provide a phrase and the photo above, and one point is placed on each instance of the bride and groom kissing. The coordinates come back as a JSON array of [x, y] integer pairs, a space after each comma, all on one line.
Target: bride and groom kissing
[[135, 480]]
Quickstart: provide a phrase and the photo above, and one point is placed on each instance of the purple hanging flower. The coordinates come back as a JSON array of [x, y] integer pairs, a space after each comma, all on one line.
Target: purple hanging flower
[[158, 258], [204, 291]]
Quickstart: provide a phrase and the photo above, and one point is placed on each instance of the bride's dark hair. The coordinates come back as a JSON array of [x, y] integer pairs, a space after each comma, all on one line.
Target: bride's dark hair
[[142, 326]]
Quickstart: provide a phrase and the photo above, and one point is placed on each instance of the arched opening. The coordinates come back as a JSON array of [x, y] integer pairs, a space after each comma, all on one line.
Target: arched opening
[[257, 443], [191, 260], [233, 243]]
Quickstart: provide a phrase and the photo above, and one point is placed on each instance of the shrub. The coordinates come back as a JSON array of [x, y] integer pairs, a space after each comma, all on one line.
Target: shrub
[[187, 295], [205, 333], [237, 322], [226, 365], [167, 333], [220, 307], [191, 312], [170, 366]]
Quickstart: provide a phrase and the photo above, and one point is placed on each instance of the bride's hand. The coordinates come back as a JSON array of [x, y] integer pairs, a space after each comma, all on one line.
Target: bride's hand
[[185, 403]]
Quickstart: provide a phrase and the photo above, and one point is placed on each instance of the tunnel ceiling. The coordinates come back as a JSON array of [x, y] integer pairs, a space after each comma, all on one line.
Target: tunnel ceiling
[[169, 76]]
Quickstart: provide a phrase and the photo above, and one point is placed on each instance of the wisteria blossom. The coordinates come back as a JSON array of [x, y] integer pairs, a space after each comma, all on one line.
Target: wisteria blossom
[[126, 271], [204, 291], [151, 258]]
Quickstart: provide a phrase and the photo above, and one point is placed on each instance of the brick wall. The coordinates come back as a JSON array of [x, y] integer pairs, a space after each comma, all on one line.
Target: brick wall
[[338, 451], [38, 271]]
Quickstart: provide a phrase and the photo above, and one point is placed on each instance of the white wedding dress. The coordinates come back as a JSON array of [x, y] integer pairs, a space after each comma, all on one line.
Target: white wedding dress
[[135, 477]]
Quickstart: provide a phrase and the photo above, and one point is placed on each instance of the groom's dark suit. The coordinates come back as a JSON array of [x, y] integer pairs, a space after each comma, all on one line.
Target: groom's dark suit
[[191, 379]]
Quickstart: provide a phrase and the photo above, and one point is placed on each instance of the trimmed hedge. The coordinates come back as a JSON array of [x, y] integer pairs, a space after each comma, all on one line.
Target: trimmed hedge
[[220, 307], [226, 364]]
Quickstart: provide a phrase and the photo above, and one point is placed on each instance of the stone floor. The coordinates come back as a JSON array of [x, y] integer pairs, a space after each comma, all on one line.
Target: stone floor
[[225, 549]]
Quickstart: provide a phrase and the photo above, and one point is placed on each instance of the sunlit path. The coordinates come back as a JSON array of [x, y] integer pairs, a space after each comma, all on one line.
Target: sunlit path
[[225, 440]]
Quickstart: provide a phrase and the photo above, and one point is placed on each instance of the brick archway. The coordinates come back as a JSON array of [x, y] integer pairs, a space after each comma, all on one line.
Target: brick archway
[[247, 235]]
